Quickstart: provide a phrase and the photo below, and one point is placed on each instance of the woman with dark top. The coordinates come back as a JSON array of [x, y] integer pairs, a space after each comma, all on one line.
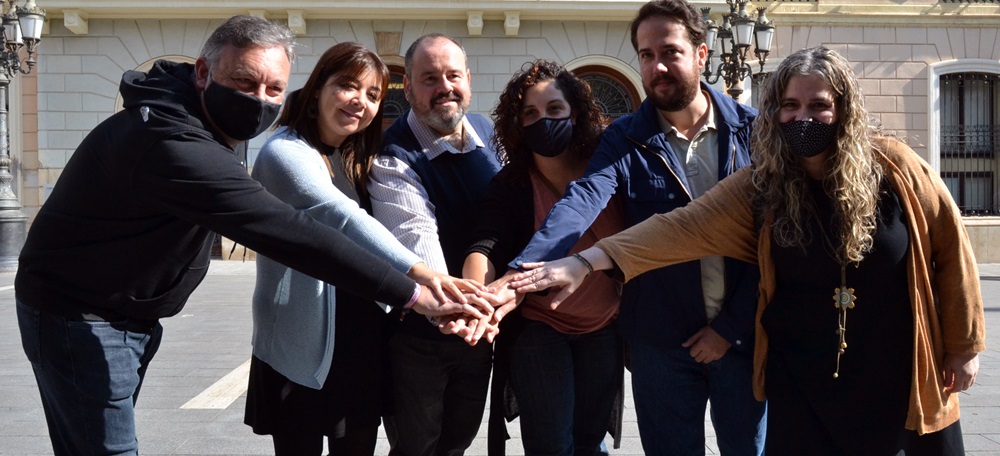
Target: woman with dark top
[[318, 350], [564, 367], [830, 209]]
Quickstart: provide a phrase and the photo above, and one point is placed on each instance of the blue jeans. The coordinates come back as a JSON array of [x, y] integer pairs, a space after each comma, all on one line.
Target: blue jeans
[[565, 385], [88, 375], [671, 390]]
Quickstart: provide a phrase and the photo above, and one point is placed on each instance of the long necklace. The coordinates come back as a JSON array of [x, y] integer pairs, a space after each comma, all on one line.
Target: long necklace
[[843, 298]]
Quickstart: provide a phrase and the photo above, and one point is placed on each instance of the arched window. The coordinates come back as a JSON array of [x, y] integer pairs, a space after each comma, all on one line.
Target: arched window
[[394, 104], [615, 95]]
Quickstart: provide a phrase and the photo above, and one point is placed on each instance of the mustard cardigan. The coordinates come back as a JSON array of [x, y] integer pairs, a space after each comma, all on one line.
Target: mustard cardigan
[[941, 269]]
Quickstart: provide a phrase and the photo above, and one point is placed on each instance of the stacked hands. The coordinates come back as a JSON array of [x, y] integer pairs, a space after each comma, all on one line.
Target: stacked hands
[[471, 310], [501, 298]]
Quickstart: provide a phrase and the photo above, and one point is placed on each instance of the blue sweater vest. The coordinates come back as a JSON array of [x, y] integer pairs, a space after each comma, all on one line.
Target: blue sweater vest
[[455, 184]]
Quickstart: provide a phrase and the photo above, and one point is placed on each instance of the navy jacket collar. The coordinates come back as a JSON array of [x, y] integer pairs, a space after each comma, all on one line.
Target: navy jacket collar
[[730, 117]]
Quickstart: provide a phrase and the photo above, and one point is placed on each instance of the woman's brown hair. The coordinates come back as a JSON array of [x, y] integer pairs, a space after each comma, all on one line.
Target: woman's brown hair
[[346, 62]]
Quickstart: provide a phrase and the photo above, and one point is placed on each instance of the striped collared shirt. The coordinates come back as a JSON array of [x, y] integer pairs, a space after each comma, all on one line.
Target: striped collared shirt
[[400, 201]]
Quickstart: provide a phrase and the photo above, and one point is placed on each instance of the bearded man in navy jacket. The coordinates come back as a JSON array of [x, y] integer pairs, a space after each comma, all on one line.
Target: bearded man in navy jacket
[[689, 327]]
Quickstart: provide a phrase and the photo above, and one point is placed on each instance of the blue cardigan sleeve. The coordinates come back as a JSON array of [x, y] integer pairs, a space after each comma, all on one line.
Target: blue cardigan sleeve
[[580, 206], [295, 172]]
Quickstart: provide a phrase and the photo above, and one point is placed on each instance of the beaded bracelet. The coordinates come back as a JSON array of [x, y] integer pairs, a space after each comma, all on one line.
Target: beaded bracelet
[[590, 268]]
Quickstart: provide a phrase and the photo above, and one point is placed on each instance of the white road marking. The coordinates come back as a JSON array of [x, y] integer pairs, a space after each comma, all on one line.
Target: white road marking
[[11, 287], [224, 392]]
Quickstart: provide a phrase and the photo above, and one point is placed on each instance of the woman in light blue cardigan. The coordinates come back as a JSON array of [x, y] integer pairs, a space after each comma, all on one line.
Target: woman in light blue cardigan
[[317, 351]]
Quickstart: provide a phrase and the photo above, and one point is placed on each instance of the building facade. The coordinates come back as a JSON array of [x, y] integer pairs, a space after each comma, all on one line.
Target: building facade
[[930, 70]]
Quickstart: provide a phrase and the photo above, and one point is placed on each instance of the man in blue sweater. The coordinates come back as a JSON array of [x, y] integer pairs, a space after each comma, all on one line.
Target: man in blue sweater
[[689, 327], [435, 166]]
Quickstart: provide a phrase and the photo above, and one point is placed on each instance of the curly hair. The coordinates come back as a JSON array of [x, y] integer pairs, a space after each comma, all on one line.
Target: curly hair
[[854, 176], [344, 62], [508, 139]]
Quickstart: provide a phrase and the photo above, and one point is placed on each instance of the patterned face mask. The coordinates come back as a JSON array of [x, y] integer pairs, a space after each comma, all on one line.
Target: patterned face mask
[[809, 138]]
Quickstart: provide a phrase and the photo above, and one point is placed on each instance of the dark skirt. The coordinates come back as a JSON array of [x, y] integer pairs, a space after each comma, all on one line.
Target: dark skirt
[[351, 399], [861, 422]]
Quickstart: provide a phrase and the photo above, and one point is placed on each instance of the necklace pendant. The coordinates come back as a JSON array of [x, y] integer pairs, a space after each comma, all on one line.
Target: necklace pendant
[[843, 297]]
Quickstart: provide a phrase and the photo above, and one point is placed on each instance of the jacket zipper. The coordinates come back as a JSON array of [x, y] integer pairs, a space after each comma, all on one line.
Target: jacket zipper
[[732, 164], [732, 161]]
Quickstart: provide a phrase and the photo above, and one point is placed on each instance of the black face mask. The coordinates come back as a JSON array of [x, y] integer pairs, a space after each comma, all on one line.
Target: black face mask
[[238, 115], [549, 137], [809, 138]]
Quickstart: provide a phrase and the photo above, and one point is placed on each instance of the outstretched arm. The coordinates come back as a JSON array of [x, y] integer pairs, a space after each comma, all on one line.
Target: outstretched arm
[[567, 274], [583, 201], [401, 203], [718, 223]]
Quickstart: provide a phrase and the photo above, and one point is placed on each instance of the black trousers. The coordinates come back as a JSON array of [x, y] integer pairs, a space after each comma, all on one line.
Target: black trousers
[[438, 392], [356, 443]]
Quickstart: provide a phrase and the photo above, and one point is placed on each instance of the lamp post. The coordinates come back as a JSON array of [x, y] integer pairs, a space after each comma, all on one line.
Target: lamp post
[[22, 30], [734, 36]]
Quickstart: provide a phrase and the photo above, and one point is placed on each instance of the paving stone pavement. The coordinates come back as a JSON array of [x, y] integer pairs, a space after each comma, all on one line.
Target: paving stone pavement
[[210, 339]]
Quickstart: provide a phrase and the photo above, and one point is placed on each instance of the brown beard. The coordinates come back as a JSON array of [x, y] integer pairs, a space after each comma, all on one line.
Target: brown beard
[[684, 93]]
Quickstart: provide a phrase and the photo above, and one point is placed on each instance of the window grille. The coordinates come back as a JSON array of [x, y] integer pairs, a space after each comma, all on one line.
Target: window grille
[[610, 95], [394, 104], [970, 140]]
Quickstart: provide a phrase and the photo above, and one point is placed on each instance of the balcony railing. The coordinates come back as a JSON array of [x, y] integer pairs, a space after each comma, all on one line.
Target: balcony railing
[[969, 167]]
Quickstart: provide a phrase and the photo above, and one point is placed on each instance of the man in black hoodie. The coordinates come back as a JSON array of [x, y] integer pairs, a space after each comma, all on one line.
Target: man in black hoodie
[[125, 236]]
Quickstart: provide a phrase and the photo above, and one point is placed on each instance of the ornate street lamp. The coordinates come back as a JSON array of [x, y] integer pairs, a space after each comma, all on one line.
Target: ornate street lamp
[[22, 30], [734, 38]]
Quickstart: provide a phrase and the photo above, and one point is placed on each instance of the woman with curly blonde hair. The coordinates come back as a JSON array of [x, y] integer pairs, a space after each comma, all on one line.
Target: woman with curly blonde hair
[[853, 175], [830, 208]]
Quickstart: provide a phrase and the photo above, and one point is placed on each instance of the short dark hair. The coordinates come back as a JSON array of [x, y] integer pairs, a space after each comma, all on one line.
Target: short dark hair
[[408, 58], [680, 10]]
